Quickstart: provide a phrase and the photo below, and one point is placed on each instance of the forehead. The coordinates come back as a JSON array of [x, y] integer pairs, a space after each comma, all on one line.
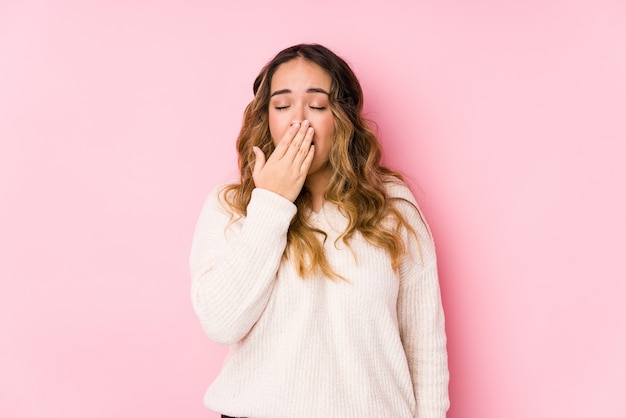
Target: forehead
[[300, 74]]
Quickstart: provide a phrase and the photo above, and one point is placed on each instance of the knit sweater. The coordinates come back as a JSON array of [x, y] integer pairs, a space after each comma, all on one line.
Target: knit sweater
[[373, 345]]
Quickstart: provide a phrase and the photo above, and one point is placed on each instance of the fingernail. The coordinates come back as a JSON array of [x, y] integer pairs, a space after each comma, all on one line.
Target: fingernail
[[305, 123]]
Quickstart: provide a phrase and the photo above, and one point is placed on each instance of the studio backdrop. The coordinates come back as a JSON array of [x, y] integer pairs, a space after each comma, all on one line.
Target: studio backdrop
[[117, 118]]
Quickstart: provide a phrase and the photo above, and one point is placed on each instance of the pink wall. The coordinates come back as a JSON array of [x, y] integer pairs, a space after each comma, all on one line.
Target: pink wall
[[117, 118]]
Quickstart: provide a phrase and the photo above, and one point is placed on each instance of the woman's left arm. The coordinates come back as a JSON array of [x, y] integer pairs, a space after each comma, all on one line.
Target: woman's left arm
[[421, 319], [422, 330]]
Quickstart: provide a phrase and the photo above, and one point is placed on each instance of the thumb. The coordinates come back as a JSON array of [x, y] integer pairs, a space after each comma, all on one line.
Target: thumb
[[259, 161]]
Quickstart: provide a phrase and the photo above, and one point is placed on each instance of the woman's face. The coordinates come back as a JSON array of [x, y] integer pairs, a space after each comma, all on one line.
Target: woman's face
[[299, 91]]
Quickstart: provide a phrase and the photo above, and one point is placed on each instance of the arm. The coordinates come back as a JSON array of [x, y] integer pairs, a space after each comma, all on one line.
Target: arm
[[233, 267], [233, 278], [421, 318]]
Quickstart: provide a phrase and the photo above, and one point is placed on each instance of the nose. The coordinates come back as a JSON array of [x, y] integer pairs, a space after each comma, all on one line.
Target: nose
[[298, 115]]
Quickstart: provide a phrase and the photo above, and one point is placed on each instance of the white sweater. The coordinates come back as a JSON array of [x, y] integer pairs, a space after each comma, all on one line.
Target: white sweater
[[372, 346]]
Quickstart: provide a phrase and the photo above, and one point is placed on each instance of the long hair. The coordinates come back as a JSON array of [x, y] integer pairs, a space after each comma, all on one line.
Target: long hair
[[357, 182]]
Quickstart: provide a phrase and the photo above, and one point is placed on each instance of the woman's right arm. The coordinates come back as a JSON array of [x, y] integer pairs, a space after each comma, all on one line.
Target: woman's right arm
[[234, 267]]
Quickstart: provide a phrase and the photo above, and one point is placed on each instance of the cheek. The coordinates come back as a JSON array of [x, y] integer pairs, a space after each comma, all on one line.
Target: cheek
[[325, 128]]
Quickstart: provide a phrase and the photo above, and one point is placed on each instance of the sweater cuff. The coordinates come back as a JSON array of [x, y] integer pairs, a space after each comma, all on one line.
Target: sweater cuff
[[269, 213]]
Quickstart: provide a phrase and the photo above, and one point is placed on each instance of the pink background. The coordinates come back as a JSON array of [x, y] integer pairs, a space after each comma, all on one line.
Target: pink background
[[118, 117]]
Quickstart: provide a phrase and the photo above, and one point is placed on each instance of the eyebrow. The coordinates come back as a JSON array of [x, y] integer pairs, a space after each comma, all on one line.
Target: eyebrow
[[311, 90]]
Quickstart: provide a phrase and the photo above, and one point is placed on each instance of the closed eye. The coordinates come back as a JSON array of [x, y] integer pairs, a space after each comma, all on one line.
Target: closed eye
[[318, 107], [280, 107]]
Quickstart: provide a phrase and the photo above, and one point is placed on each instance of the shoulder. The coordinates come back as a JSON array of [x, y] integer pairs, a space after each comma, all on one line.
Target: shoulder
[[397, 189], [401, 197], [219, 198]]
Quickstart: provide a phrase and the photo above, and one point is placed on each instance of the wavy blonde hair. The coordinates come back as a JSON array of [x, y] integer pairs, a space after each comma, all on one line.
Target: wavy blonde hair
[[357, 183]]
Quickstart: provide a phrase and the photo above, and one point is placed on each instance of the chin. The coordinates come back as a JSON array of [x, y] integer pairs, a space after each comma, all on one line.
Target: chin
[[317, 168]]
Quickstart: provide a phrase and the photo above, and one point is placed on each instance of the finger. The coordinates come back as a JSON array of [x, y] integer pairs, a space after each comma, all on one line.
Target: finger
[[305, 146], [296, 143], [259, 161], [286, 140], [306, 164]]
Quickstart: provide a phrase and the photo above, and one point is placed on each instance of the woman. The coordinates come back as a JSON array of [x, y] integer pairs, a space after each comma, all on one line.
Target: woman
[[317, 268]]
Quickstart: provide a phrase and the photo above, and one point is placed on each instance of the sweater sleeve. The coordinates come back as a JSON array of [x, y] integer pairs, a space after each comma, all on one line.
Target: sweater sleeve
[[233, 266], [421, 317]]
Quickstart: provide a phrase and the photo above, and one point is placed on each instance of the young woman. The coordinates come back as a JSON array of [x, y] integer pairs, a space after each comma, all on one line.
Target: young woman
[[317, 268]]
